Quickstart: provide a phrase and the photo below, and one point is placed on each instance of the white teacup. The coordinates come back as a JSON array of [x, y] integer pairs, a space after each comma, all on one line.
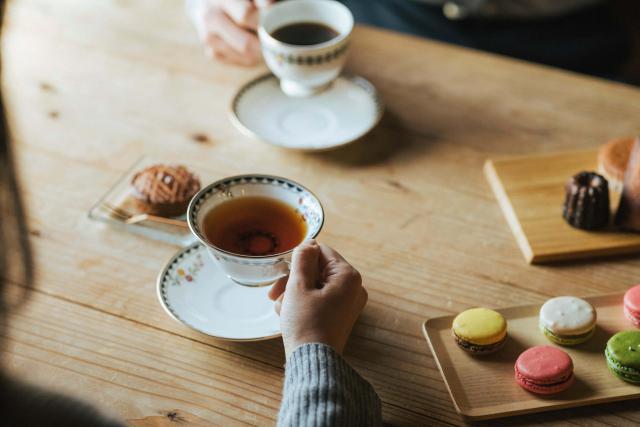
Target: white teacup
[[246, 269], [305, 69]]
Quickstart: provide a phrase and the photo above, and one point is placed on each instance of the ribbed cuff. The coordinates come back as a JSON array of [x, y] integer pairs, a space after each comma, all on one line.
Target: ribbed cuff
[[322, 389]]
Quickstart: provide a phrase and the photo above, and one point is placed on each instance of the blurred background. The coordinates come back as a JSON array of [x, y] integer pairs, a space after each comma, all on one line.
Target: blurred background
[[596, 37]]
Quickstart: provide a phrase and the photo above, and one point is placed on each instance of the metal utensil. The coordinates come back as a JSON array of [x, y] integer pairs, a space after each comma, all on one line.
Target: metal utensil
[[129, 218]]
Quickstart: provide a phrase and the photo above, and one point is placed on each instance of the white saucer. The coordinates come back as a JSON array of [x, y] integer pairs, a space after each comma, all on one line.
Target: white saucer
[[195, 292], [341, 114]]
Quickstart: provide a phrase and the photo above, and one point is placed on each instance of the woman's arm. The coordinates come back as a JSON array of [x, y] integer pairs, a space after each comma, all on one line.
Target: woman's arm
[[320, 388], [318, 305]]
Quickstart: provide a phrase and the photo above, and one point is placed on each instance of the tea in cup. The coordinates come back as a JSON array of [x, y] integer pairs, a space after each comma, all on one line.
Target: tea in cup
[[250, 225], [305, 43]]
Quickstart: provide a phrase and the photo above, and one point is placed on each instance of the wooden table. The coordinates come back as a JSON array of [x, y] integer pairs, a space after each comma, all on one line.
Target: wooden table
[[93, 85]]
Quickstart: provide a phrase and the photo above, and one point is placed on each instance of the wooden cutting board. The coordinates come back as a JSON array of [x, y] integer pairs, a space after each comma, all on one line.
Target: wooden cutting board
[[530, 191], [484, 387]]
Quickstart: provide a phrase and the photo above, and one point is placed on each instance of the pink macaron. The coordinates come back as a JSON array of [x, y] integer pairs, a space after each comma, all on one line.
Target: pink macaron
[[632, 305], [544, 370]]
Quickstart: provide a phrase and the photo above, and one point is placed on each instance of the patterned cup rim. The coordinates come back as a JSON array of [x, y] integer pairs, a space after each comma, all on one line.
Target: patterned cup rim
[[342, 36], [194, 207]]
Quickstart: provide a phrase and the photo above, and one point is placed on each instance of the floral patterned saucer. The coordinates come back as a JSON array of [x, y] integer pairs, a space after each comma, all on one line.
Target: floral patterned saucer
[[195, 292]]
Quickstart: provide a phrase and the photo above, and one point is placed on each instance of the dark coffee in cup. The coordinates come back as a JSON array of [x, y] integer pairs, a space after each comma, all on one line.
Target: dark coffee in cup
[[305, 43], [304, 33]]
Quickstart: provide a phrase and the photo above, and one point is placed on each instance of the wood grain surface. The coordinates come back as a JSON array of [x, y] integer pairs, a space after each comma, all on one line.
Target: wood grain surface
[[484, 387], [530, 191], [94, 85]]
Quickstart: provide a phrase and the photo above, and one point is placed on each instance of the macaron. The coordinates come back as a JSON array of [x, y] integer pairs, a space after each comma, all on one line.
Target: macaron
[[480, 331], [567, 320], [623, 355], [544, 369], [632, 305]]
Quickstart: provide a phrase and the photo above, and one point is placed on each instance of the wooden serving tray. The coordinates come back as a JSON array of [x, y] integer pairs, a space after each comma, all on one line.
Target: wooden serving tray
[[530, 191], [484, 387]]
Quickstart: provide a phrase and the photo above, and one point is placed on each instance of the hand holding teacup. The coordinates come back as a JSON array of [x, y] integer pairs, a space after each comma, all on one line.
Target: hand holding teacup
[[321, 299], [304, 42], [227, 28]]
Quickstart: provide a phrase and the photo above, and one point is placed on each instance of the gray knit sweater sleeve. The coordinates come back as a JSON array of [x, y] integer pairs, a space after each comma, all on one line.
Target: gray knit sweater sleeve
[[321, 389]]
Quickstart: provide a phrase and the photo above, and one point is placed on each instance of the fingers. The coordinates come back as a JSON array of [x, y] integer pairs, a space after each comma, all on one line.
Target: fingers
[[226, 28], [337, 272], [217, 48], [243, 12], [329, 254], [304, 266], [278, 288], [241, 40], [332, 263]]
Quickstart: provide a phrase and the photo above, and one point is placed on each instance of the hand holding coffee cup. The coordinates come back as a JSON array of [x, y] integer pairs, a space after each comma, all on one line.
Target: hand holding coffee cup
[[305, 42], [250, 225], [227, 28]]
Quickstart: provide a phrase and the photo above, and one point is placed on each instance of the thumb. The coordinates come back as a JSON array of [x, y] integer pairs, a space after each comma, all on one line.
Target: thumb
[[304, 266]]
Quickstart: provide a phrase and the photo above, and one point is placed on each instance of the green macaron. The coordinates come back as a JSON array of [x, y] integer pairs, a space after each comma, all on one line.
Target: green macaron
[[623, 355]]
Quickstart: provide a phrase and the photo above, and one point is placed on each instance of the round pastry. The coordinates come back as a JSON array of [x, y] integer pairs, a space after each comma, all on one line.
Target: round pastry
[[480, 331], [632, 305], [586, 202], [623, 355], [544, 370], [612, 161], [628, 214], [164, 190], [567, 320]]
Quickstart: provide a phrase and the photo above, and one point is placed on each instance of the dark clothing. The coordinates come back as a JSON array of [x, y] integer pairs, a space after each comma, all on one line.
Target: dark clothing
[[589, 40]]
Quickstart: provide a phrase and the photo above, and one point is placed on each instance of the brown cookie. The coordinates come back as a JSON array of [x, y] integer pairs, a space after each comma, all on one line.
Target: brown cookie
[[164, 190]]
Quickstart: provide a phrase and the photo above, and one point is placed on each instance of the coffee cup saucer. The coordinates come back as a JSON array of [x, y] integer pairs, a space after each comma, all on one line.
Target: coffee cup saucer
[[194, 291], [340, 114]]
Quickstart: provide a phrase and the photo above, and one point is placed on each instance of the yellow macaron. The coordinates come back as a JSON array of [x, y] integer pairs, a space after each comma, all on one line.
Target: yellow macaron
[[480, 330]]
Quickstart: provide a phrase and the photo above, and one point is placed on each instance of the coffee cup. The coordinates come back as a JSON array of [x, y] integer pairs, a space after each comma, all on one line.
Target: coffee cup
[[305, 63], [265, 266]]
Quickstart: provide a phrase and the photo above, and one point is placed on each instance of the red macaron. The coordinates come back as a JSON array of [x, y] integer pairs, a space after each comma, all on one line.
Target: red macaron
[[544, 370], [632, 305]]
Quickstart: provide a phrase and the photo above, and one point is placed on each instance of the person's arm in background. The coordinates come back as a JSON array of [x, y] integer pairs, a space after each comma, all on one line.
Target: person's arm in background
[[227, 28], [318, 305]]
